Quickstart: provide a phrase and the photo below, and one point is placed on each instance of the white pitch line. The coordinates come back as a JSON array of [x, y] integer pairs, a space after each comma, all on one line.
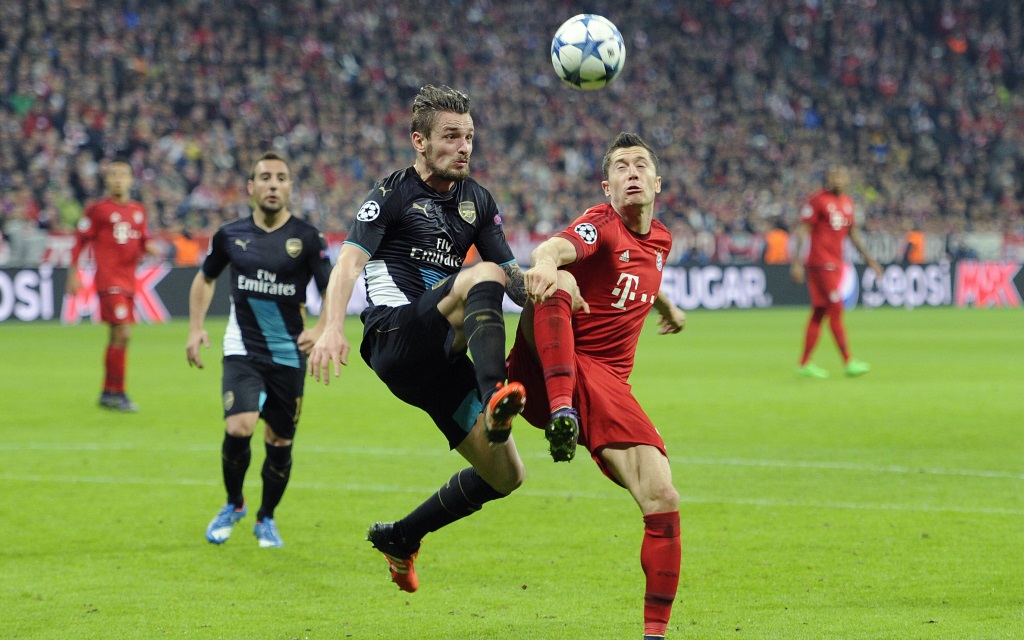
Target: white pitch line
[[848, 466], [561, 495], [440, 452]]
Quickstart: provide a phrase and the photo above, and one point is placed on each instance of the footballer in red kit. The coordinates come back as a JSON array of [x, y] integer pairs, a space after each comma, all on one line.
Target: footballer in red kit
[[620, 294], [116, 229], [830, 217], [591, 289], [827, 219]]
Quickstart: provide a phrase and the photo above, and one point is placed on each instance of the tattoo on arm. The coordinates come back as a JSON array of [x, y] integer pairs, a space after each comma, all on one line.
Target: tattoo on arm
[[515, 285]]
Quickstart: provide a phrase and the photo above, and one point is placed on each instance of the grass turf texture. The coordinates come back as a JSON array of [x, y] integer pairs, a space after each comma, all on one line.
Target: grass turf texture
[[888, 506]]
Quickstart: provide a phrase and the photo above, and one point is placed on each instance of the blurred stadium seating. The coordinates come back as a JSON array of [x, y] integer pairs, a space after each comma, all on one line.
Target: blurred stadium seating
[[745, 100]]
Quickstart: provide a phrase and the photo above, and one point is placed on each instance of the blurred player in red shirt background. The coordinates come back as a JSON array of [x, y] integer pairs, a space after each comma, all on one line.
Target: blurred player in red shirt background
[[827, 219], [116, 229]]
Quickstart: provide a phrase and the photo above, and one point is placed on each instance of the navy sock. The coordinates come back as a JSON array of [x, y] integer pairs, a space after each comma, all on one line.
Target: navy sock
[[464, 494], [484, 326], [235, 456], [277, 468]]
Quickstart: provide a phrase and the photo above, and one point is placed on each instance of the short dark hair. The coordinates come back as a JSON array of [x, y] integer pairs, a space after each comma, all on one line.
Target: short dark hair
[[432, 100], [623, 141], [269, 155]]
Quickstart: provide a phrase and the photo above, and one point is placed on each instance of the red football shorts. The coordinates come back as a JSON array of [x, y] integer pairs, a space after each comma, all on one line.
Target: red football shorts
[[117, 308], [609, 414], [823, 285]]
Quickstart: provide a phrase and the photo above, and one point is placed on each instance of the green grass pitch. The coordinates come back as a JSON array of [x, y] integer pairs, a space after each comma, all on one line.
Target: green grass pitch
[[888, 506]]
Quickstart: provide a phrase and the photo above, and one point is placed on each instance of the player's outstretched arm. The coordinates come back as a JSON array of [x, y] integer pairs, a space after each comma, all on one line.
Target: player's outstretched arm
[[331, 348], [199, 297], [673, 319], [542, 277], [514, 284]]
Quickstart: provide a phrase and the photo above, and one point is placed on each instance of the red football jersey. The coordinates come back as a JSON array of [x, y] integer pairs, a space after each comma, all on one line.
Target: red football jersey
[[830, 217], [118, 235], [619, 275]]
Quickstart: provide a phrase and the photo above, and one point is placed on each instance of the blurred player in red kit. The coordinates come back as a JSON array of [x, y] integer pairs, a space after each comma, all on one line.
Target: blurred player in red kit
[[827, 219], [116, 229], [607, 265]]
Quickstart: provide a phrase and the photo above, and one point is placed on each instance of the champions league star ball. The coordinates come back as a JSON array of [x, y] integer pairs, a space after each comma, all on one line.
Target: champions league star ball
[[587, 51]]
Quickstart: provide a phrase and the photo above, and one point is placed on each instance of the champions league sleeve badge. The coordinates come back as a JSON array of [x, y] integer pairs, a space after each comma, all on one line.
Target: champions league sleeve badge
[[587, 232], [368, 212]]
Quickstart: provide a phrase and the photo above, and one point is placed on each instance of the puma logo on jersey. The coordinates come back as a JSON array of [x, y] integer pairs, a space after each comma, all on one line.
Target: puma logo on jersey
[[419, 206], [383, 191], [625, 256], [243, 243]]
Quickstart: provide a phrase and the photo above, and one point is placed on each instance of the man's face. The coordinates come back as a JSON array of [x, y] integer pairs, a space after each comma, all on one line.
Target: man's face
[[271, 185], [449, 146], [633, 179], [837, 180], [119, 179]]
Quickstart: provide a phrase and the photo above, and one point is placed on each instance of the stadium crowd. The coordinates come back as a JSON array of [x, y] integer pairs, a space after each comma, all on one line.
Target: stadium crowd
[[746, 101]]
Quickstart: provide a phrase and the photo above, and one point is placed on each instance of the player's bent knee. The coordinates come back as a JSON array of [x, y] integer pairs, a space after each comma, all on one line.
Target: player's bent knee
[[510, 484], [566, 282], [241, 425], [484, 272], [660, 499], [517, 479], [510, 478], [668, 499]]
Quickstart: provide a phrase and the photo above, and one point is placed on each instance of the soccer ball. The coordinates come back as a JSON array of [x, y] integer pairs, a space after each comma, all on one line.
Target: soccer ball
[[587, 51]]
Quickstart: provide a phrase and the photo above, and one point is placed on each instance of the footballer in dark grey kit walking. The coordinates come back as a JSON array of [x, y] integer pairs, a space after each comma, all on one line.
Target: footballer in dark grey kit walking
[[410, 239], [272, 257]]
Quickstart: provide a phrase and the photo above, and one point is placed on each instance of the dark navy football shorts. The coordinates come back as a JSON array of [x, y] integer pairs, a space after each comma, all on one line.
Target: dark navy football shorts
[[408, 347], [273, 390]]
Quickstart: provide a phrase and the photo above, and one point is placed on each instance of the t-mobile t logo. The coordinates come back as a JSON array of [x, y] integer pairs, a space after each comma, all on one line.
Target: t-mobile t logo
[[626, 290]]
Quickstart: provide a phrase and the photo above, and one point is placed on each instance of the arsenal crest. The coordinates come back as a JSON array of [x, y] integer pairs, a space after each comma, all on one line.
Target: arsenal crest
[[467, 211], [293, 246]]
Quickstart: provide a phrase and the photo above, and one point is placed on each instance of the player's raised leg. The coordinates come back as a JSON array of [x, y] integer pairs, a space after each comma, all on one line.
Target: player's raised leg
[[474, 308], [555, 346]]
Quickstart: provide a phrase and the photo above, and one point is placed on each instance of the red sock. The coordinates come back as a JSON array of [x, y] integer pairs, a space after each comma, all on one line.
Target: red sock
[[835, 321], [114, 362], [660, 556], [812, 333], [552, 327]]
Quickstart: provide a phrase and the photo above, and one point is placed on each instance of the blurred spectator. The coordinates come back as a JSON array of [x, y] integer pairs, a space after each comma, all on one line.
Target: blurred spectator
[[776, 245], [186, 250], [25, 241], [913, 253], [749, 99]]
